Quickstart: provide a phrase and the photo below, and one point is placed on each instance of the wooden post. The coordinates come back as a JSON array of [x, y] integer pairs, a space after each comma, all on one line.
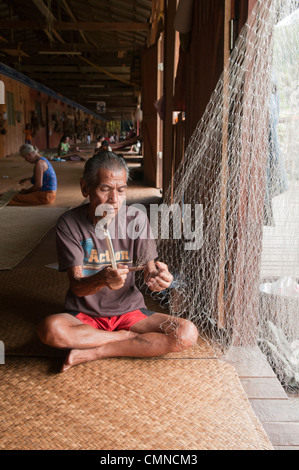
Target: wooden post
[[159, 173], [169, 63], [224, 166], [150, 115], [249, 227]]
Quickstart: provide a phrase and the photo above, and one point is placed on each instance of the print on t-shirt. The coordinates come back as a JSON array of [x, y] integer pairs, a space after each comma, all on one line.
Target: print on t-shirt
[[95, 260]]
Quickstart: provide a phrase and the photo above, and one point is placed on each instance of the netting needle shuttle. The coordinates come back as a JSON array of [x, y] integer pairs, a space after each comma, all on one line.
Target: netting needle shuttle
[[110, 248]]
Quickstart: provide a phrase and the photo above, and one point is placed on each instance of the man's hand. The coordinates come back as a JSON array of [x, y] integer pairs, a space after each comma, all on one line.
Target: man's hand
[[159, 280], [82, 286], [115, 279]]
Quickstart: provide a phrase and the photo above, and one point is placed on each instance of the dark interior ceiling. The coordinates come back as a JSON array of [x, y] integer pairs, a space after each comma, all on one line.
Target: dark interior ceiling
[[87, 51]]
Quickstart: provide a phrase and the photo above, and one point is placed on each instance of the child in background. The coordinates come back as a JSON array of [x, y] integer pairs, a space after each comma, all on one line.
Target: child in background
[[28, 136]]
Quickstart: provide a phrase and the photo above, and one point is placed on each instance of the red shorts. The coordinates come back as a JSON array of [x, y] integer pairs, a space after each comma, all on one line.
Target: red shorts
[[121, 322]]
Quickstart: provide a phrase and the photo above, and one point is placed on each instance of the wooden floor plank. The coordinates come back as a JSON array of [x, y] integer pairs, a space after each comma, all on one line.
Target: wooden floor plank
[[283, 434], [286, 447], [249, 362], [275, 410], [263, 388]]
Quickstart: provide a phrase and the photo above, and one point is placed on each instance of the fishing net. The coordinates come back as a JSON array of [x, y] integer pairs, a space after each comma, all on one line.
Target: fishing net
[[233, 207]]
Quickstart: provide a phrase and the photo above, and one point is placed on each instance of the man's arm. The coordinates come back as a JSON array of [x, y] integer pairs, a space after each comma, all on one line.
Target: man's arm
[[82, 286]]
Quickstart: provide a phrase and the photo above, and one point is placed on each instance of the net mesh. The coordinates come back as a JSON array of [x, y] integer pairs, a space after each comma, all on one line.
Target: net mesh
[[239, 281]]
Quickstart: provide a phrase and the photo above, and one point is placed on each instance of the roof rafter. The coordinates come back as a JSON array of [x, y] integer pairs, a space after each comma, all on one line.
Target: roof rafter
[[47, 14], [75, 26]]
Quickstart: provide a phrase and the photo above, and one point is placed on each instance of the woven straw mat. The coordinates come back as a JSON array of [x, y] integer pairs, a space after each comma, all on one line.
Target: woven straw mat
[[126, 404], [22, 228]]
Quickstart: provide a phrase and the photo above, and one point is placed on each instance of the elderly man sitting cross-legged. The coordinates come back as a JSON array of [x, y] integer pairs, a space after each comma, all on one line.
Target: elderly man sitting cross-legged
[[105, 314]]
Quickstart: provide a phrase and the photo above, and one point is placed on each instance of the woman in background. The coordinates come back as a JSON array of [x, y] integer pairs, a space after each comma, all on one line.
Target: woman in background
[[44, 181], [64, 149], [64, 146]]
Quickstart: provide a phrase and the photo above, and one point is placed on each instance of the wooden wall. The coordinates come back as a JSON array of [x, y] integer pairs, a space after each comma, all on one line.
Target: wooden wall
[[204, 59], [200, 64], [52, 118]]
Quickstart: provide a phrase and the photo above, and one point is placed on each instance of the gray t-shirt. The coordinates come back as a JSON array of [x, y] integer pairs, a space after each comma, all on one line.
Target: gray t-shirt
[[78, 244]]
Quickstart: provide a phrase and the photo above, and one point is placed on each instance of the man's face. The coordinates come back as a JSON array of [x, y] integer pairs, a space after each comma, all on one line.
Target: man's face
[[110, 189]]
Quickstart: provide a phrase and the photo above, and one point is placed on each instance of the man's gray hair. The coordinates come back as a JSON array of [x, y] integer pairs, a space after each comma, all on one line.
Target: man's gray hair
[[28, 148], [106, 160]]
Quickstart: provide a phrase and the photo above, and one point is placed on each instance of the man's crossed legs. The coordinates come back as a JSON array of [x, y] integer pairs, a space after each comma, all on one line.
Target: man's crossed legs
[[155, 335]]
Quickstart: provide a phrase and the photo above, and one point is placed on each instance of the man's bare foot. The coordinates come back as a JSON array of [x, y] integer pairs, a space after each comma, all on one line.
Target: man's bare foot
[[79, 356], [127, 334]]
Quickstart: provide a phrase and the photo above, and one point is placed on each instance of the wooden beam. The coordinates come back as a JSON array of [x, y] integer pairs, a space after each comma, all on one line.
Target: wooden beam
[[106, 72], [111, 88], [70, 47], [14, 52], [169, 73], [224, 166], [75, 91], [72, 16], [69, 77], [75, 26], [251, 196], [49, 15], [120, 71], [64, 59]]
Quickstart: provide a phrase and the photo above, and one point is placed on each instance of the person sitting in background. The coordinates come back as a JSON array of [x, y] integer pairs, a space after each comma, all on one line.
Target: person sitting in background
[[64, 147], [44, 181], [64, 150], [99, 143], [105, 147]]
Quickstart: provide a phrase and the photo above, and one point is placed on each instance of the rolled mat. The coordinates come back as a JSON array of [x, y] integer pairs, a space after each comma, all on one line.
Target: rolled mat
[[28, 294], [126, 404]]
